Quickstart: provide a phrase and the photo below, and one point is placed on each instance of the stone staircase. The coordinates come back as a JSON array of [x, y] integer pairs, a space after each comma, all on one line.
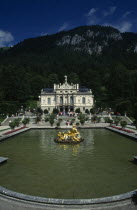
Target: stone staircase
[[6, 121], [124, 118]]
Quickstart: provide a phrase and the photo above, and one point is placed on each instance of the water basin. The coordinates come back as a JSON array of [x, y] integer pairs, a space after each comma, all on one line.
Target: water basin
[[98, 167]]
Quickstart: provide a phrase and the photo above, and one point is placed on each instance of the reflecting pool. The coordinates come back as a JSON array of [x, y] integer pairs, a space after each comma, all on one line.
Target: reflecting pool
[[98, 167]]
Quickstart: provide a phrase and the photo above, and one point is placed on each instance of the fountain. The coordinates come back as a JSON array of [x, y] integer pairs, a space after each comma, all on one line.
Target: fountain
[[73, 136], [92, 169]]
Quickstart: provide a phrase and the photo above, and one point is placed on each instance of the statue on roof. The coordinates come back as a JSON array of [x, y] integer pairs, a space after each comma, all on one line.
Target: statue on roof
[[65, 79]]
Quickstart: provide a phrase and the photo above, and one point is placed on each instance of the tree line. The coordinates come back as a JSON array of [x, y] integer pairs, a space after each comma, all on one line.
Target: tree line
[[38, 63]]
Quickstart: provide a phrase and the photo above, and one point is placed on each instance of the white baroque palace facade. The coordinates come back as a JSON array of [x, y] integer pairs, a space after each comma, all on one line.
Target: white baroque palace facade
[[66, 98]]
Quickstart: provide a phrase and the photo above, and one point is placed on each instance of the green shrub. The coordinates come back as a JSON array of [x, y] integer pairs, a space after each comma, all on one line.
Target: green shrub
[[117, 120], [51, 121], [52, 116], [28, 119], [17, 122], [87, 111], [12, 125], [86, 118], [25, 121], [46, 111], [82, 118], [123, 124], [94, 119], [98, 119], [38, 119], [58, 124], [46, 119], [77, 110], [55, 111], [92, 111], [39, 110], [82, 121]]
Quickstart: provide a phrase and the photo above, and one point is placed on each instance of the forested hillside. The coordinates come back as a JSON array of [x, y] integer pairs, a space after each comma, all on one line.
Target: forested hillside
[[98, 57]]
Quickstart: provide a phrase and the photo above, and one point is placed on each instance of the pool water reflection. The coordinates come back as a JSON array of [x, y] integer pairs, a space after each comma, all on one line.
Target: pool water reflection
[[100, 166]]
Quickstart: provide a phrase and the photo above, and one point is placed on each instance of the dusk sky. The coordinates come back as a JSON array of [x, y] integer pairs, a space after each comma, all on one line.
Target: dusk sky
[[22, 19]]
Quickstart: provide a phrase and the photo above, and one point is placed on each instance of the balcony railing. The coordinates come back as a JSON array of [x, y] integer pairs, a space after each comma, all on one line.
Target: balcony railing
[[64, 104]]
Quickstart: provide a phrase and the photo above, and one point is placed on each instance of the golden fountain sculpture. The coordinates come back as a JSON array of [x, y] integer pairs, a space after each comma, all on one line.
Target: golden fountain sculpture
[[72, 136]]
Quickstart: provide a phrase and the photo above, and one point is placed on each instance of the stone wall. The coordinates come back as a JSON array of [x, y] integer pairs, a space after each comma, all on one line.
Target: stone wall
[[10, 200]]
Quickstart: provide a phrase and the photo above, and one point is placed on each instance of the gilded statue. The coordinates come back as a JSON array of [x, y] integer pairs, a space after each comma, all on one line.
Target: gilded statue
[[72, 136]]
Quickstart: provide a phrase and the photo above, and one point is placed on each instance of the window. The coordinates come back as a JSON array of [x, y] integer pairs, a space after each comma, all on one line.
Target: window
[[66, 100], [83, 108], [61, 100], [71, 100], [83, 100], [48, 109], [49, 101]]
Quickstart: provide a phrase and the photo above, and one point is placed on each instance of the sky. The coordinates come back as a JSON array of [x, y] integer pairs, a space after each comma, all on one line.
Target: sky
[[22, 19]]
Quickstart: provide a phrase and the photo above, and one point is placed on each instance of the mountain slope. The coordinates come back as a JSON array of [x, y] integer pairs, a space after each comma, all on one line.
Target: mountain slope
[[91, 39], [99, 57]]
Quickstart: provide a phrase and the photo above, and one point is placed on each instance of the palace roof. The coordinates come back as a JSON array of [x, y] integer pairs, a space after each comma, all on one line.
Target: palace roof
[[48, 90]]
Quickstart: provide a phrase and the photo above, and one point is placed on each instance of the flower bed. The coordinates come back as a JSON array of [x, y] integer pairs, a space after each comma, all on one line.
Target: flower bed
[[115, 127], [129, 131], [9, 132], [123, 129]]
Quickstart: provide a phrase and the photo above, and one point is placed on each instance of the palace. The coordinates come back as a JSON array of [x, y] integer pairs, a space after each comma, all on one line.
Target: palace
[[66, 98]]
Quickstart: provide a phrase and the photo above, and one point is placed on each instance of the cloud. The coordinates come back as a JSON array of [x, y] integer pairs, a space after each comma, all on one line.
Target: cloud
[[43, 34], [110, 11], [125, 26], [5, 38], [122, 27], [92, 18], [63, 27], [91, 11], [126, 14]]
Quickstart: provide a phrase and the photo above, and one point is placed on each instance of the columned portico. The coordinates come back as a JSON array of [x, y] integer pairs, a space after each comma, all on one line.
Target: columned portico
[[66, 97]]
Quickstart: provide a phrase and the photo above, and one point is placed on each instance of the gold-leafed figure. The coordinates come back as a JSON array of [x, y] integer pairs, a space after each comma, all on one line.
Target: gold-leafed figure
[[72, 136]]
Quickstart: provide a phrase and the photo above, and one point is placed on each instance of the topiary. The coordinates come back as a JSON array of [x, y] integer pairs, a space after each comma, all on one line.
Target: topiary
[[123, 124], [51, 121], [58, 124], [46, 119], [12, 125]]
